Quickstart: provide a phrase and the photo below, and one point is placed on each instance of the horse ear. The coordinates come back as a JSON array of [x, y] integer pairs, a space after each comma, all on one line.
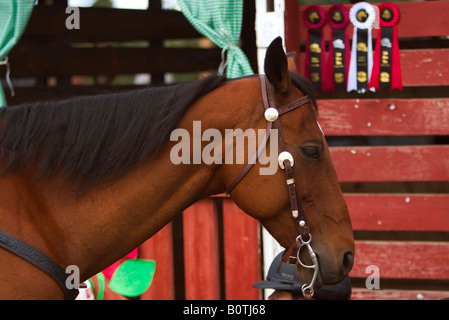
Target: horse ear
[[276, 66], [291, 61]]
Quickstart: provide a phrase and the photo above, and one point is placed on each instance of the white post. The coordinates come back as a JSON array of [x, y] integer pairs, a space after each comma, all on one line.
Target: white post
[[269, 25]]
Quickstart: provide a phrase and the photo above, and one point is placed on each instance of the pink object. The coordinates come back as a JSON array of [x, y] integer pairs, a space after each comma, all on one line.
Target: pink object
[[109, 271]]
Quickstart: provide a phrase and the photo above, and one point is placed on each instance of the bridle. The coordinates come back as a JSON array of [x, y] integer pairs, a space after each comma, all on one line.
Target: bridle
[[286, 162], [40, 260]]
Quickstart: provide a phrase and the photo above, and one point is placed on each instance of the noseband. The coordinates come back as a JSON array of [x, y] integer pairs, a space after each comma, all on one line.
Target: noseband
[[272, 115]]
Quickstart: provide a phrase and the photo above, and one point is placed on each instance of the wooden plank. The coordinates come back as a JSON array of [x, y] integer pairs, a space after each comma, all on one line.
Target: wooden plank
[[417, 19], [105, 24], [391, 294], [66, 61], [201, 253], [33, 94], [403, 212], [292, 21], [402, 260], [242, 253], [160, 249], [377, 117], [427, 67], [395, 163]]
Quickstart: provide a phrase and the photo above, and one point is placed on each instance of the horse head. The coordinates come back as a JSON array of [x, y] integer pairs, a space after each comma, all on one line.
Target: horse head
[[267, 197]]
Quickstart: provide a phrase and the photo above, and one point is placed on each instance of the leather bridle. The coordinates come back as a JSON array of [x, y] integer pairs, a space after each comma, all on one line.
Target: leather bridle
[[40, 260], [286, 162]]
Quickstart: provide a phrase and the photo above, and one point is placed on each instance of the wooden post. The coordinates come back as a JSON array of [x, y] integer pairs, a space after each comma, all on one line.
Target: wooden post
[[160, 249], [201, 252], [242, 253], [156, 7]]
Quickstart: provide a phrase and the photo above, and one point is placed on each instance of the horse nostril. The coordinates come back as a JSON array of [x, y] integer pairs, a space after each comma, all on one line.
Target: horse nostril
[[348, 261]]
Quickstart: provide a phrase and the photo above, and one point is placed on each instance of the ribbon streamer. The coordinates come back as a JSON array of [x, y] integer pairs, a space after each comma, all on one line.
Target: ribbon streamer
[[386, 69], [362, 16], [5, 62], [315, 66], [338, 56]]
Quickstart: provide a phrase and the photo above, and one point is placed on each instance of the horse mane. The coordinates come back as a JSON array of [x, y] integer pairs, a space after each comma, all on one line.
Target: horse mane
[[305, 86], [91, 138]]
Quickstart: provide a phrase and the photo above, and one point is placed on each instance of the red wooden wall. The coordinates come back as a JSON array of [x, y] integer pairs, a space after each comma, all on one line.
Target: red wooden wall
[[221, 249], [397, 192]]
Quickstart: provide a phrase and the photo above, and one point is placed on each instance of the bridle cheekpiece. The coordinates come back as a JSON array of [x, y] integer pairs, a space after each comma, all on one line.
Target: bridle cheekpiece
[[286, 162]]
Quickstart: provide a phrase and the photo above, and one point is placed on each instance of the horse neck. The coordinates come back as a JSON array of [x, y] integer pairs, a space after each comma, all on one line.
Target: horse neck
[[113, 221], [95, 229]]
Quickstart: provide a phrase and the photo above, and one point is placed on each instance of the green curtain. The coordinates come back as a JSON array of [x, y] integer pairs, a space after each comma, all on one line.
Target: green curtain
[[14, 16], [221, 22]]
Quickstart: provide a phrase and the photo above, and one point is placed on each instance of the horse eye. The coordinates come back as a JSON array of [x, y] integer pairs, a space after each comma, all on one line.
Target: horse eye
[[311, 152]]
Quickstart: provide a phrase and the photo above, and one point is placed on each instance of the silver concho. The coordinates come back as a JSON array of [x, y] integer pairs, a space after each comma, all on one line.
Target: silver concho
[[271, 114], [285, 155]]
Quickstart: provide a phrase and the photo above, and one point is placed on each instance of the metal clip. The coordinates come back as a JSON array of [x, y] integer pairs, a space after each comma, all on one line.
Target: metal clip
[[307, 290]]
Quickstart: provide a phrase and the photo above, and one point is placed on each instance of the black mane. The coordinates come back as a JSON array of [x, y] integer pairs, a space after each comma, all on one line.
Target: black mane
[[305, 86], [94, 137], [91, 138]]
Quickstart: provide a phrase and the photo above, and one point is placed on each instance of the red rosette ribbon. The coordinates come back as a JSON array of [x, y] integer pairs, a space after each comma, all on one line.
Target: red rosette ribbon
[[338, 16], [386, 72], [339, 50], [314, 18], [389, 15]]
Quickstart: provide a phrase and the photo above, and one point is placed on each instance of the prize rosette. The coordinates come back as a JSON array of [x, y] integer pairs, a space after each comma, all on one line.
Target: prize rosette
[[362, 16], [315, 65], [338, 56], [386, 73]]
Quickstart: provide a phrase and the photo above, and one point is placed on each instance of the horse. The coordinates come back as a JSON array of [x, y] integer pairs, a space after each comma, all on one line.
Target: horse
[[86, 180]]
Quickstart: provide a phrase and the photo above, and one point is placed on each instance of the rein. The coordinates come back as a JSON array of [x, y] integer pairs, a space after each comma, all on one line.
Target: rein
[[286, 162], [40, 260]]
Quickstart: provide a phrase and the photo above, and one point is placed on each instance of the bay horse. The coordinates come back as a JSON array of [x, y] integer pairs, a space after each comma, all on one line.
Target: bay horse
[[86, 180]]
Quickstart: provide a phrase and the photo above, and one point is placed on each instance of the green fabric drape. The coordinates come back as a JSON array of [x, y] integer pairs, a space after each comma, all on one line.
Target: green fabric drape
[[221, 22], [14, 15]]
